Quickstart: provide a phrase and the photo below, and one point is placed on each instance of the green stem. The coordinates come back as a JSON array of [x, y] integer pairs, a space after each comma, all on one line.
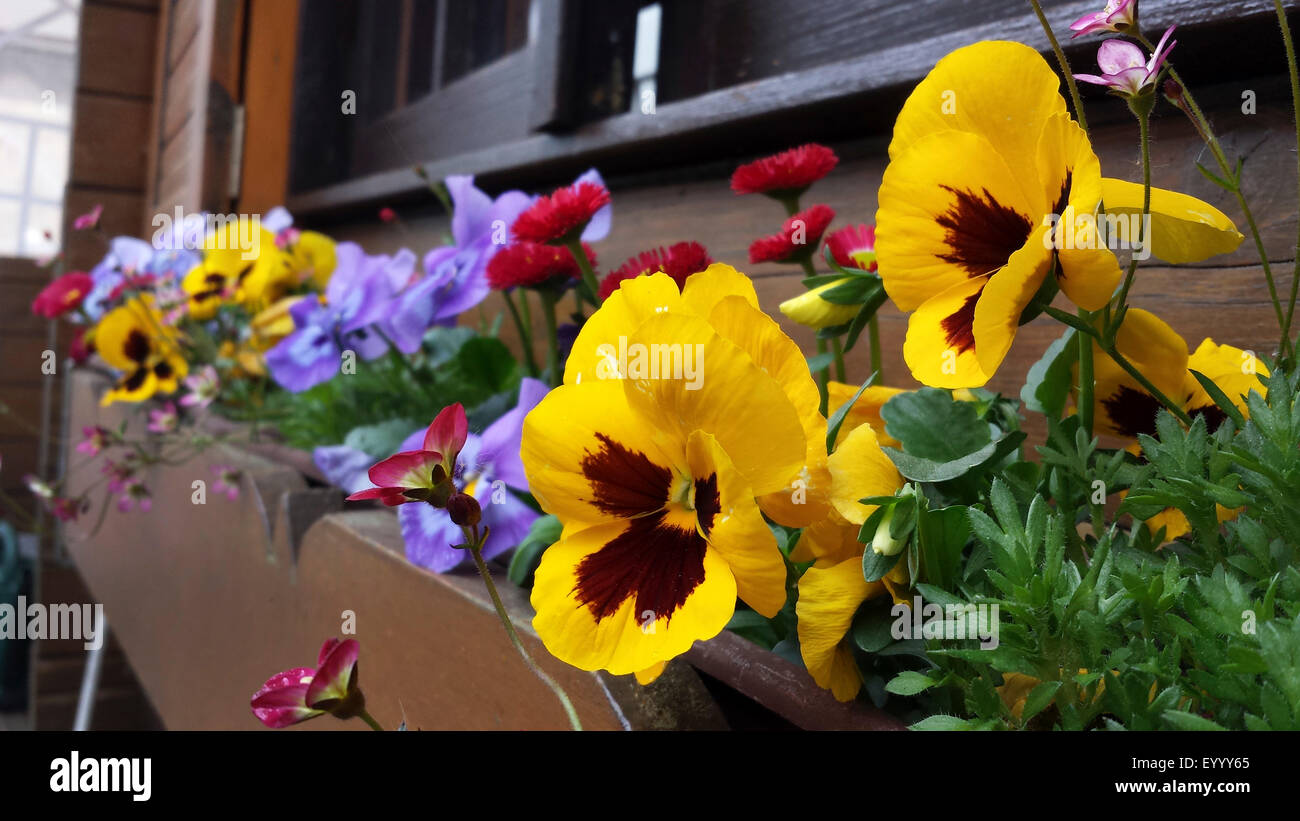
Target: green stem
[[477, 553], [525, 338], [588, 275], [1119, 359], [1295, 112], [1229, 173], [552, 336], [1086, 383], [877, 355], [1144, 132], [369, 719], [1064, 64], [838, 349]]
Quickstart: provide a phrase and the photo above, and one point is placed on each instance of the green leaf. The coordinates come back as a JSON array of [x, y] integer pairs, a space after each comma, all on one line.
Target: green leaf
[[927, 470], [872, 628], [1038, 699], [909, 683], [852, 290], [941, 723], [1189, 721], [1221, 399], [875, 566], [864, 316], [544, 532], [931, 425], [1047, 386], [820, 362], [836, 421], [942, 534], [1214, 178]]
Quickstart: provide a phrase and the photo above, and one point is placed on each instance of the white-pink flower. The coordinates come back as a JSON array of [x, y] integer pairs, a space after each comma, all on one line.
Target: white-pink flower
[[1125, 69], [89, 219], [1118, 15], [227, 481], [164, 419], [204, 387]]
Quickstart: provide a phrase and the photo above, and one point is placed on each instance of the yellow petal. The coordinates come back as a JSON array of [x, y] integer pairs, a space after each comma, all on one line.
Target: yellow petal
[[1004, 299], [1235, 371], [829, 541], [737, 530], [1122, 407], [859, 468], [651, 673], [1183, 228], [951, 208], [707, 288], [811, 310], [940, 344], [866, 411], [1002, 90], [828, 599], [634, 636], [595, 351], [723, 393]]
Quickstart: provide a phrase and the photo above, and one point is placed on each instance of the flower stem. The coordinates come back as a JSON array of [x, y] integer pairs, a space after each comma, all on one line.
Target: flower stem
[[475, 550], [1109, 349], [525, 338], [552, 336], [824, 374], [369, 719], [1295, 112], [1202, 124], [588, 275], [1144, 132], [838, 349], [1086, 384], [877, 355], [1064, 64]]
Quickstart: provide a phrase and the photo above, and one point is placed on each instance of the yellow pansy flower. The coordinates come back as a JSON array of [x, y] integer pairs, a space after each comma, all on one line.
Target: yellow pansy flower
[[655, 475], [990, 186], [133, 339]]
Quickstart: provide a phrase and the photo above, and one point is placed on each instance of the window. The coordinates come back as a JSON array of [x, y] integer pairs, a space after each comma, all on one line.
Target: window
[[37, 80]]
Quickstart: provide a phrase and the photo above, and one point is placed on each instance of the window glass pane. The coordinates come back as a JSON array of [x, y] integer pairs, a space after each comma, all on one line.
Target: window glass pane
[[50, 169], [13, 156], [42, 234], [481, 32], [10, 210]]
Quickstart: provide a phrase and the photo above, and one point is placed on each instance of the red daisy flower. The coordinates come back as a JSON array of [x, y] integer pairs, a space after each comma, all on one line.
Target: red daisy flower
[[78, 347], [560, 218], [135, 282], [62, 295], [528, 265], [677, 261], [854, 246], [799, 236], [786, 174]]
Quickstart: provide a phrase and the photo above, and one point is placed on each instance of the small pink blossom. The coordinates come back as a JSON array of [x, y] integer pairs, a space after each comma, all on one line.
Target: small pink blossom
[[1125, 69], [228, 480], [136, 493], [90, 219], [94, 439], [387, 214], [300, 693], [1119, 15], [164, 419], [421, 475], [204, 387]]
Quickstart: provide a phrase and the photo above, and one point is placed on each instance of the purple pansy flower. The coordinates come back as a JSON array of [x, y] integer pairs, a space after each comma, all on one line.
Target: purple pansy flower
[[488, 464], [358, 296], [454, 278]]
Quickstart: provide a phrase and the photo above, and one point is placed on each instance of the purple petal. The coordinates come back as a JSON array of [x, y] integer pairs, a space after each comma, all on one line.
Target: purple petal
[[303, 359], [277, 219], [598, 228], [509, 520], [503, 438], [429, 534], [472, 216], [344, 467]]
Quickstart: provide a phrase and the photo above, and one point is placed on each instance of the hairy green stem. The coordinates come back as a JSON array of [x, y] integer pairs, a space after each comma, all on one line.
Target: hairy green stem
[[1064, 64], [525, 338], [1144, 136], [1202, 124], [369, 719], [1295, 113], [1086, 383], [588, 275], [476, 551], [552, 336], [877, 355]]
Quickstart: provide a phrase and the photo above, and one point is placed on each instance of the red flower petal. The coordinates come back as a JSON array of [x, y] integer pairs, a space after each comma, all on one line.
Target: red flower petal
[[446, 434], [789, 172], [850, 240], [408, 469], [799, 235], [528, 265], [62, 295], [282, 700], [335, 673], [678, 261], [560, 217]]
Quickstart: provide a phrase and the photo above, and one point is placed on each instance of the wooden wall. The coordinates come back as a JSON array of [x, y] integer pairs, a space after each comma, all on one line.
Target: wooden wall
[[1224, 298]]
